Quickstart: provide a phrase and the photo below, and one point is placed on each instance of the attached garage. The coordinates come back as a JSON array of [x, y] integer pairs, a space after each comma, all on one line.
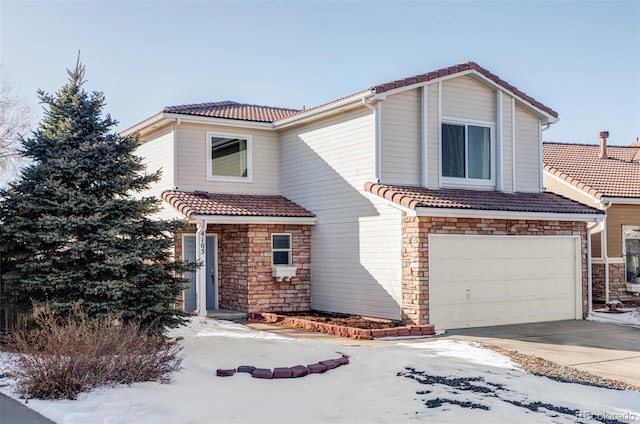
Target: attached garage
[[480, 280]]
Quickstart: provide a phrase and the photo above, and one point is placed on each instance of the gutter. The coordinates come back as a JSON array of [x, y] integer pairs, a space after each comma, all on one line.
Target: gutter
[[481, 213], [377, 135], [195, 119], [252, 219], [621, 200], [141, 125], [331, 107], [541, 157]]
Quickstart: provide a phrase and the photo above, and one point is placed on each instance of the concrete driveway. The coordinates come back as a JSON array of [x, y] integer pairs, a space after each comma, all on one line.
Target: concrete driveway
[[608, 350]]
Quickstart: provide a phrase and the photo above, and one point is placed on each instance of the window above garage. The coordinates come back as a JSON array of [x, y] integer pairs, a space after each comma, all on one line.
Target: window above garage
[[467, 155]]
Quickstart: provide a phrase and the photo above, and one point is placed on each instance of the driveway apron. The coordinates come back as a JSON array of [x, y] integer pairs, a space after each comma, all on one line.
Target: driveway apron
[[608, 350]]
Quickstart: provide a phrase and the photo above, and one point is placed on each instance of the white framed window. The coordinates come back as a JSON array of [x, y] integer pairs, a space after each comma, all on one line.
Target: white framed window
[[229, 157], [281, 249], [631, 251], [467, 154]]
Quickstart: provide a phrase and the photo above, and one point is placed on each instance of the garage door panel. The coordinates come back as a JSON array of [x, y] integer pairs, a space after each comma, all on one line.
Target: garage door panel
[[468, 292], [473, 269], [539, 247], [473, 247], [530, 311], [502, 279], [541, 269], [484, 314], [529, 289]]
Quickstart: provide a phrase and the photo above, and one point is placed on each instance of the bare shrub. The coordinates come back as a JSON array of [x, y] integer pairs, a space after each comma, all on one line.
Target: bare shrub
[[69, 355]]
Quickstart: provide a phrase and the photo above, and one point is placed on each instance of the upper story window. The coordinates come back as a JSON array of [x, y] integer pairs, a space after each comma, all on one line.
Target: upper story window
[[229, 157], [281, 249], [467, 154]]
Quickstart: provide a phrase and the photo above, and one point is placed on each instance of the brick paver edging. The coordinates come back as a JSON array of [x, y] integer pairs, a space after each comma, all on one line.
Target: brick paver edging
[[286, 372], [338, 330]]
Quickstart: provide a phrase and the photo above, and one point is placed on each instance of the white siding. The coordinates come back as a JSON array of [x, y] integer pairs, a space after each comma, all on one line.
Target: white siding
[[157, 154], [192, 157], [466, 97], [401, 147], [527, 146], [433, 137], [507, 144], [554, 185], [355, 245]]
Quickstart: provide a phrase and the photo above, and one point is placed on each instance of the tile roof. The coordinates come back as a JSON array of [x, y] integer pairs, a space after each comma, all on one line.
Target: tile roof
[[580, 166], [418, 197], [233, 110], [202, 203], [461, 67], [247, 112]]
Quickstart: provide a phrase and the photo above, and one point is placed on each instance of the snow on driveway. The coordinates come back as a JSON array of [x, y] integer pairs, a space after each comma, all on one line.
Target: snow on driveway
[[432, 381]]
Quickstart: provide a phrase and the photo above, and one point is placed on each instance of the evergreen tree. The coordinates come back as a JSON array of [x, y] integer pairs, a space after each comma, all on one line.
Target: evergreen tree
[[72, 229]]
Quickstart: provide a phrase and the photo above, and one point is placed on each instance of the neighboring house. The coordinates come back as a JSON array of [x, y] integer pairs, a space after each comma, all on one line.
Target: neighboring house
[[607, 177], [417, 200]]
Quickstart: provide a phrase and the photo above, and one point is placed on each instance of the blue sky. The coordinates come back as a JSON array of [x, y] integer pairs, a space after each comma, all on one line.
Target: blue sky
[[581, 58]]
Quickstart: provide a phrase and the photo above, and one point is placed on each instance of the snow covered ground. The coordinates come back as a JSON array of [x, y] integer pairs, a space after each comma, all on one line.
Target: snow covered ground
[[439, 381]]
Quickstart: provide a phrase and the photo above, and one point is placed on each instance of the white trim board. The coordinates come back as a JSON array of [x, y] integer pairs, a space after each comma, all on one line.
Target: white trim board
[[491, 214], [601, 261], [241, 219]]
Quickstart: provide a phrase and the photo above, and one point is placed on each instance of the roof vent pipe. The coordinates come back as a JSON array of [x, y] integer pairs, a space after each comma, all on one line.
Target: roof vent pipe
[[603, 144]]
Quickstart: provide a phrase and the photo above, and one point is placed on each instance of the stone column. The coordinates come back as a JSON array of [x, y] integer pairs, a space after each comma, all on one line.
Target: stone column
[[415, 271]]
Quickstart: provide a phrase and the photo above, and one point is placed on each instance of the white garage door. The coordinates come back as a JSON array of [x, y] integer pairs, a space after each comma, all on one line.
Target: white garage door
[[477, 281]]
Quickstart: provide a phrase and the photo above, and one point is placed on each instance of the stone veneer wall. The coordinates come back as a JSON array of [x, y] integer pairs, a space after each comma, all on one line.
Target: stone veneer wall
[[245, 282], [415, 252], [617, 284]]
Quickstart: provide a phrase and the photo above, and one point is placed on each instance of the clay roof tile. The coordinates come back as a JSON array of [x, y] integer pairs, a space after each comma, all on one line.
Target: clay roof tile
[[581, 166], [415, 197], [203, 203]]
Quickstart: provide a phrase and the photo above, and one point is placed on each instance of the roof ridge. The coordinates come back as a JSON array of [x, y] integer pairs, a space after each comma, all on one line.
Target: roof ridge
[[609, 146], [223, 103]]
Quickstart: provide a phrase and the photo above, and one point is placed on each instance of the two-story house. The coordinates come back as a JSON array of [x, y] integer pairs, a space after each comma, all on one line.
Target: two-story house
[[417, 200]]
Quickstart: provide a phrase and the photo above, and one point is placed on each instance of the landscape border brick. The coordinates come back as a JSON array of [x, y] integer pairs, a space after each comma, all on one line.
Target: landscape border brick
[[342, 331], [296, 371]]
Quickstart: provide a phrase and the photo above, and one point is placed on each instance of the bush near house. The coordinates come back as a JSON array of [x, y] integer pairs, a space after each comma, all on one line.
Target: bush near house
[[73, 354], [72, 227]]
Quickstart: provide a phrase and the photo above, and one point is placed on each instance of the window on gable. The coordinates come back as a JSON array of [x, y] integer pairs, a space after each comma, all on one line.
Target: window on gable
[[281, 249], [229, 157], [466, 152]]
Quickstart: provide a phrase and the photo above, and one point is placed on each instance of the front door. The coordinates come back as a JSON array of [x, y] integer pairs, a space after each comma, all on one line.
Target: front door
[[210, 284], [210, 266]]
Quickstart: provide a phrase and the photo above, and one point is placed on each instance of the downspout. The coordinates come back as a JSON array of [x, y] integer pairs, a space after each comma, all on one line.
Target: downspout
[[589, 267], [603, 248], [540, 158], [377, 136], [499, 142], [174, 130]]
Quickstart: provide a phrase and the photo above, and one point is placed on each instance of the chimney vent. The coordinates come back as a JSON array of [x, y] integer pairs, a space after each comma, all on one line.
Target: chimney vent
[[603, 144]]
